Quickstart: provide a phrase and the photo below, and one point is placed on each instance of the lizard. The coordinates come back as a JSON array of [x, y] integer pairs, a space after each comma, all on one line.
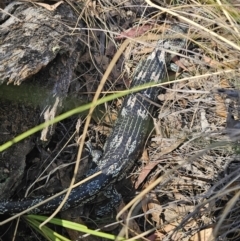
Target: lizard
[[125, 143]]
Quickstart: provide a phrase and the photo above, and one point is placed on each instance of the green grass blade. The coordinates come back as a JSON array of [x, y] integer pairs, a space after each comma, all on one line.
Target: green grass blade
[[48, 233], [75, 226], [70, 113]]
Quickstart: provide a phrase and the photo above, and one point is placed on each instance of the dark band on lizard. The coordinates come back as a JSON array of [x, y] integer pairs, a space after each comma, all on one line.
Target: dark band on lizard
[[125, 144]]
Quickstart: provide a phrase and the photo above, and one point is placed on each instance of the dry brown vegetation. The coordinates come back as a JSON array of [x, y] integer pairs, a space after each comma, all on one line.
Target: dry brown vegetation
[[187, 184], [191, 170]]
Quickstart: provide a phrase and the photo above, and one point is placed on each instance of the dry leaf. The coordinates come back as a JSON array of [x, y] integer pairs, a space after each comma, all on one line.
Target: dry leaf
[[144, 173], [168, 96], [220, 105], [49, 7], [174, 144], [167, 229], [179, 63], [134, 32], [152, 237], [211, 62], [151, 203], [145, 157], [203, 235]]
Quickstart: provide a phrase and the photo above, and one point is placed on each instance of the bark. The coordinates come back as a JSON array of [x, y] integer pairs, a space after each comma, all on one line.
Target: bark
[[39, 53]]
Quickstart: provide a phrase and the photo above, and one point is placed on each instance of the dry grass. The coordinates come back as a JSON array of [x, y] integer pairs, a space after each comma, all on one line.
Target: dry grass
[[195, 195], [191, 191]]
